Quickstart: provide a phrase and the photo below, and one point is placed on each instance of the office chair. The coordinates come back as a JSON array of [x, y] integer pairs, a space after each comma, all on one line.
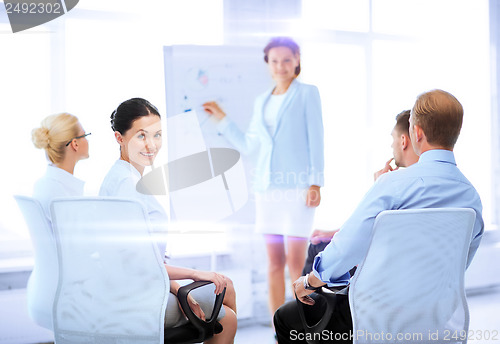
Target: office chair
[[327, 297], [113, 286], [410, 286], [42, 283]]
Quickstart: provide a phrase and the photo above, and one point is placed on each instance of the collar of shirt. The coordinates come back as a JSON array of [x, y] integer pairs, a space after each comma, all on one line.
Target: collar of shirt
[[129, 166], [66, 178], [441, 155]]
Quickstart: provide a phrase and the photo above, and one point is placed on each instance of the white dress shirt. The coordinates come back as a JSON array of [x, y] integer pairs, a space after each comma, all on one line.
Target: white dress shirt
[[271, 111], [56, 183], [121, 181]]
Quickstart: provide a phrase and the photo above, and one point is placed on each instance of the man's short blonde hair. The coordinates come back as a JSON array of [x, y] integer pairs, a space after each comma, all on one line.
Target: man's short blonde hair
[[440, 116]]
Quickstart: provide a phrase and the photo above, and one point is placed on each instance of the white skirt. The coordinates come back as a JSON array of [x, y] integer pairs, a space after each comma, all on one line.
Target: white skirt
[[284, 212]]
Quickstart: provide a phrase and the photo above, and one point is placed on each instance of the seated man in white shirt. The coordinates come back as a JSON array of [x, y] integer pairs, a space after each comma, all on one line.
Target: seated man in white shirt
[[433, 182]]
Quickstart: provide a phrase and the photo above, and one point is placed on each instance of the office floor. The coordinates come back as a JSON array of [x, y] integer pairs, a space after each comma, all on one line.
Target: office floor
[[484, 307]]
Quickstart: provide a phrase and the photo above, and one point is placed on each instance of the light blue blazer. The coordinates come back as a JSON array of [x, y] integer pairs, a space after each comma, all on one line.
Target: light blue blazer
[[294, 156]]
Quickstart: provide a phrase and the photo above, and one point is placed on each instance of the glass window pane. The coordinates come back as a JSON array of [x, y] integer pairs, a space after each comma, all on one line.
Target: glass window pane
[[402, 17], [26, 99], [339, 73], [345, 15], [454, 59], [194, 22]]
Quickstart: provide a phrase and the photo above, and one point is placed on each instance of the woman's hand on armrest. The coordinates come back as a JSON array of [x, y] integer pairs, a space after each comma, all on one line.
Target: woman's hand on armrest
[[219, 280], [177, 273]]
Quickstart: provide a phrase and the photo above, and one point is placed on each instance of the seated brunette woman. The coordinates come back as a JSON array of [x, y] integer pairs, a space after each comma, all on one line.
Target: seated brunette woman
[[137, 129]]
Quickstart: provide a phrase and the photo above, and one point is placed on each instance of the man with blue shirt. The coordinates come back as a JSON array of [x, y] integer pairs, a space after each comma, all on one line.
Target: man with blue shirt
[[433, 182], [403, 155]]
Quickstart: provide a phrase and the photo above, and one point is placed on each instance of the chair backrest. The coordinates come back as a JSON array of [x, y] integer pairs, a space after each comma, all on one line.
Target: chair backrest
[[113, 286], [410, 286], [42, 283]]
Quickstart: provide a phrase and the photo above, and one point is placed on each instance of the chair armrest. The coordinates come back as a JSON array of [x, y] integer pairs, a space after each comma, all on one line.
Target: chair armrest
[[208, 325], [330, 300]]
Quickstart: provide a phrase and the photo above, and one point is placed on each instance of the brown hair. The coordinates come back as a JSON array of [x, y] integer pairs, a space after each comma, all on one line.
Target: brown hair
[[129, 111], [283, 42], [53, 134], [402, 123], [440, 116]]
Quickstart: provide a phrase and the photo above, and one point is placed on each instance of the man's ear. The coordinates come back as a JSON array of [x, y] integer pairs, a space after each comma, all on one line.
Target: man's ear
[[419, 133], [405, 140], [118, 137]]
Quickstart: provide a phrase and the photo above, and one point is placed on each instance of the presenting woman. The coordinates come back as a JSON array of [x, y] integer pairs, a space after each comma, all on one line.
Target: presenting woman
[[137, 128], [64, 141], [287, 130]]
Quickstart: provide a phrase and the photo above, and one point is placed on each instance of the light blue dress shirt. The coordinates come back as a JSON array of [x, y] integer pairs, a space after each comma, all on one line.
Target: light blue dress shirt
[[293, 157], [433, 182]]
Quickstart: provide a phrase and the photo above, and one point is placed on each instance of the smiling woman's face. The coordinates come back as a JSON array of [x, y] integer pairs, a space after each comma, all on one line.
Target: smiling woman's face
[[141, 143], [282, 64]]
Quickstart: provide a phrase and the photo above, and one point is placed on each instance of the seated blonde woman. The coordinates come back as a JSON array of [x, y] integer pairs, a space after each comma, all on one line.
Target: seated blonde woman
[[64, 141], [137, 129]]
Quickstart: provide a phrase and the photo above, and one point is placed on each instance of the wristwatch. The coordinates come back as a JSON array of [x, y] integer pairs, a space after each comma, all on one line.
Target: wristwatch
[[307, 286]]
